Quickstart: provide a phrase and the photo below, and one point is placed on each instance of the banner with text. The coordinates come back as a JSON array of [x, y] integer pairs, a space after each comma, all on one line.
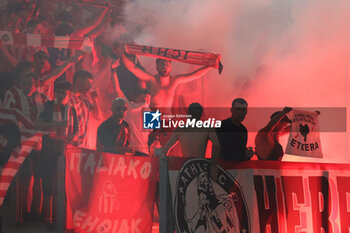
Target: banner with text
[[108, 192], [259, 196], [304, 138]]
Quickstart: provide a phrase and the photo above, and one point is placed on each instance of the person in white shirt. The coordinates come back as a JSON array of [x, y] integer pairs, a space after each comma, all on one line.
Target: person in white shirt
[[138, 135]]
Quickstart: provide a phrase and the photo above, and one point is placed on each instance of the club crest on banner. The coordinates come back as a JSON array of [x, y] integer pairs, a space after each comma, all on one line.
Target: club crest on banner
[[5, 37], [108, 200], [206, 205]]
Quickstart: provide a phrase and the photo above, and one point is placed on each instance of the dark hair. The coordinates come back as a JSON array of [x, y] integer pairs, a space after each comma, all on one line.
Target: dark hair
[[239, 100], [37, 54], [64, 29], [275, 114], [82, 74], [285, 118], [32, 23], [21, 67], [195, 110], [66, 17], [63, 85]]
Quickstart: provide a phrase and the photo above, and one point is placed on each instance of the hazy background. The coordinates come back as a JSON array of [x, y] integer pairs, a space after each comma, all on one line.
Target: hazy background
[[275, 53]]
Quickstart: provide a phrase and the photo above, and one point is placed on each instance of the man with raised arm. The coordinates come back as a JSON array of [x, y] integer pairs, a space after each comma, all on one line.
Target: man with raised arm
[[140, 103], [84, 99], [267, 139], [163, 85]]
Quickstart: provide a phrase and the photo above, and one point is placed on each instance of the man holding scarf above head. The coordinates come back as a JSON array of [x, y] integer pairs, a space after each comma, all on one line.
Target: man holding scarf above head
[[162, 85]]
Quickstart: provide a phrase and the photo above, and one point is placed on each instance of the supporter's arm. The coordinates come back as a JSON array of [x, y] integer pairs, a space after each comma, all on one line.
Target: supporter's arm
[[248, 153], [115, 80], [125, 150], [23, 17], [172, 142], [137, 71], [264, 141], [94, 107], [90, 101], [215, 151], [99, 28], [9, 57], [275, 120], [87, 29], [263, 145], [182, 78], [53, 75]]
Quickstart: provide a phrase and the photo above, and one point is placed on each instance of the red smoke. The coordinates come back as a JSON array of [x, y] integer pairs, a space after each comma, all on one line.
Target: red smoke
[[275, 54]]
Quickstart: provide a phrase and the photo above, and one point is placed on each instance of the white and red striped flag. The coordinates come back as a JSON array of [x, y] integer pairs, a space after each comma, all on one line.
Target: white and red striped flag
[[71, 42], [29, 139]]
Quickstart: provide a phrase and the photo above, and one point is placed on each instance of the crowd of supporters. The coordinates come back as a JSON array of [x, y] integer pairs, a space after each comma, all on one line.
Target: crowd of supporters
[[68, 94], [57, 89]]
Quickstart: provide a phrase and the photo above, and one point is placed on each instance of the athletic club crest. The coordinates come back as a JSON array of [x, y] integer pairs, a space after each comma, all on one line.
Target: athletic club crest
[[204, 205]]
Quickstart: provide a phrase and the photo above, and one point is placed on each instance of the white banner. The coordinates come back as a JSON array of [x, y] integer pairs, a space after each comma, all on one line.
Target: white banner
[[304, 138]]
